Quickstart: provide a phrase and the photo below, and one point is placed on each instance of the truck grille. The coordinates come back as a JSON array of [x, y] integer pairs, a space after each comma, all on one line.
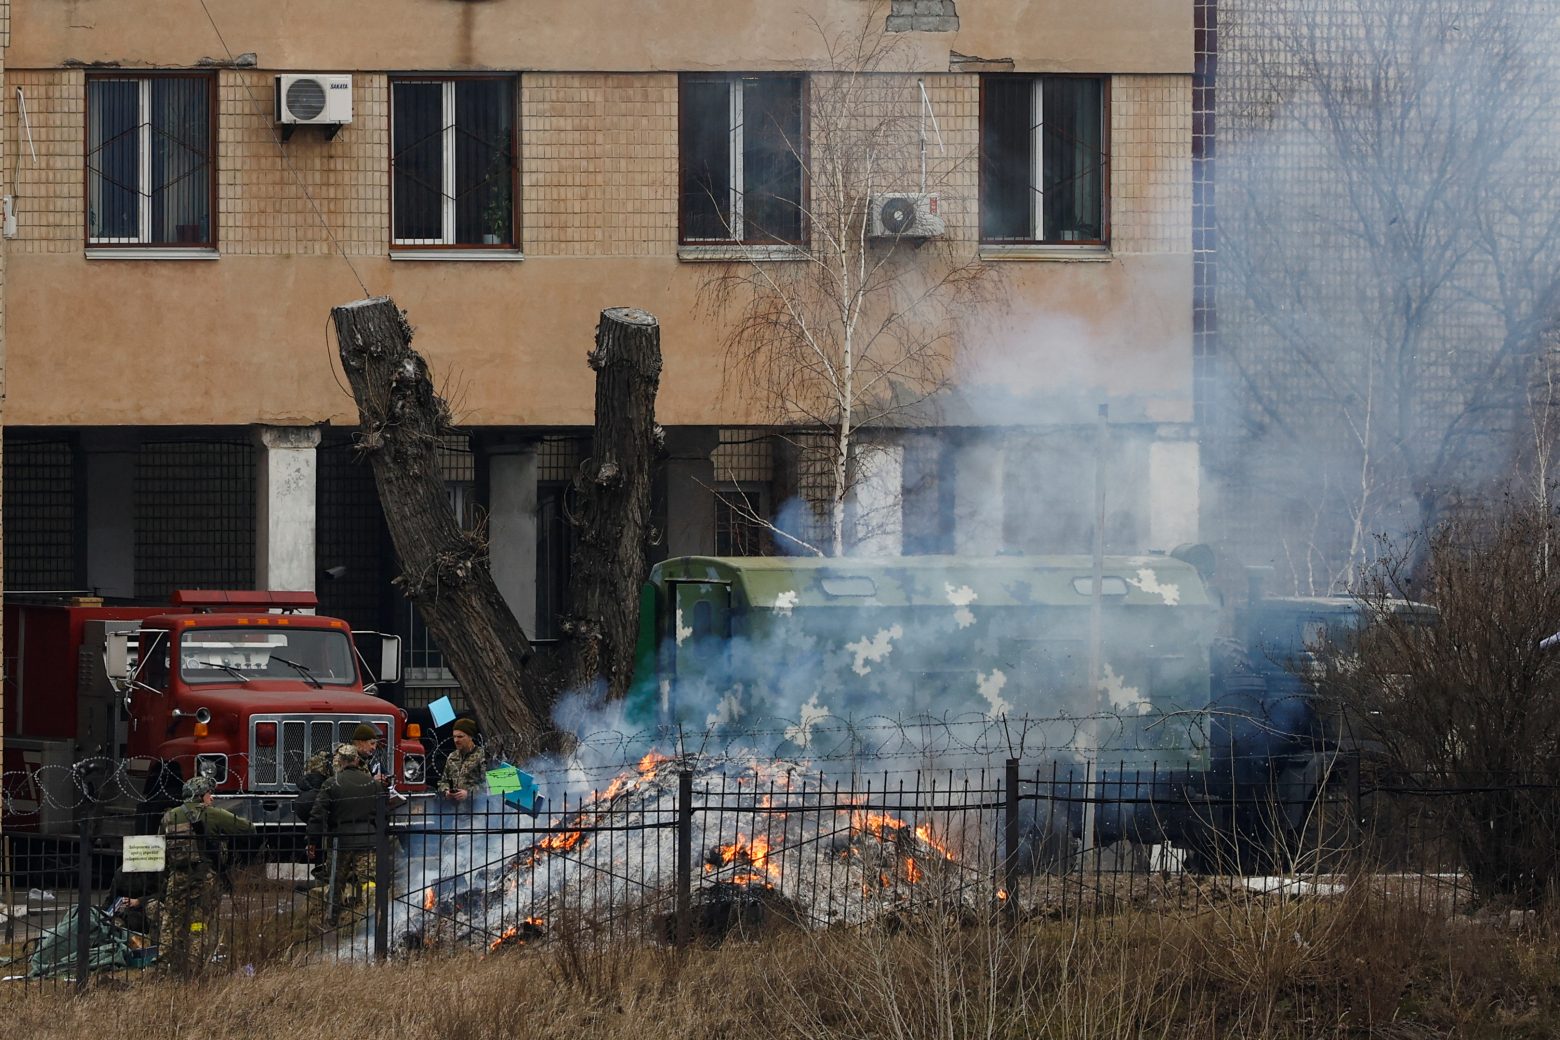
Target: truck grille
[[300, 738]]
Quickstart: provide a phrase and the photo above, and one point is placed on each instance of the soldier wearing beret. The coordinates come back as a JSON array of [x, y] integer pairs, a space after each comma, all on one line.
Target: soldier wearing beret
[[465, 769]]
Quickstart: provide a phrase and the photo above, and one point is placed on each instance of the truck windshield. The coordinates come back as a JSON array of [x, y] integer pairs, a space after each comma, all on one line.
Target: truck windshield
[[311, 656]]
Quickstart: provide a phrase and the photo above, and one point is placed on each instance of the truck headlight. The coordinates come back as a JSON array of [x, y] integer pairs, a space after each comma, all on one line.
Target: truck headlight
[[412, 769], [213, 767]]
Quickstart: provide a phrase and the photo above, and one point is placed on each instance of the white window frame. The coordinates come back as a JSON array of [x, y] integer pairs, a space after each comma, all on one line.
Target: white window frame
[[447, 166], [143, 209], [734, 170]]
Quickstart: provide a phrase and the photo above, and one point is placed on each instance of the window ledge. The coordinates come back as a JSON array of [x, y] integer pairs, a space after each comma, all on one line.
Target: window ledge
[[732, 251], [457, 254], [1074, 254], [151, 253]]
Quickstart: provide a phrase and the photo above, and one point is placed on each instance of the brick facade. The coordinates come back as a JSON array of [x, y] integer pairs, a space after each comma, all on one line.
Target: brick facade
[[263, 209], [598, 161], [1151, 164]]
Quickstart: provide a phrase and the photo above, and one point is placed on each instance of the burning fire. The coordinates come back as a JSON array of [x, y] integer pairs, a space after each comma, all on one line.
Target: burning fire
[[650, 763], [428, 900], [530, 928], [747, 854], [924, 832]]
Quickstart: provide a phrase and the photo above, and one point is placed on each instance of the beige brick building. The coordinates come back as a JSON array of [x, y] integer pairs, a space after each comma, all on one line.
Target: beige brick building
[[504, 177]]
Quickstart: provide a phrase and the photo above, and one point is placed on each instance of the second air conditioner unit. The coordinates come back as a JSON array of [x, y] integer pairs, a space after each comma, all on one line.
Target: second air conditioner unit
[[313, 100], [905, 214]]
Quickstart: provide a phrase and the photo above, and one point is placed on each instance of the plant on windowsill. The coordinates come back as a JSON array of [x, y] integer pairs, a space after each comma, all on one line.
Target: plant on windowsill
[[496, 222]]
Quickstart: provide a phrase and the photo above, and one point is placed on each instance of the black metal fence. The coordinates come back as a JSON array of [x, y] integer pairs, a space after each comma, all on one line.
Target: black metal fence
[[677, 851]]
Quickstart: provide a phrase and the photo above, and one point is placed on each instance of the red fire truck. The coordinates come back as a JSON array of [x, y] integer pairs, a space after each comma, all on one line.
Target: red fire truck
[[120, 705]]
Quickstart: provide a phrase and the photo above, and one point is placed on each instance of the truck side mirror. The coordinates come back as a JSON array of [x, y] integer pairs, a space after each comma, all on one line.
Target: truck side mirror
[[390, 659], [387, 666], [116, 656]]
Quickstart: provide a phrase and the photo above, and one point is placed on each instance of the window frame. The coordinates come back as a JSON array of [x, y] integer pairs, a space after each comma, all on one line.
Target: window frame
[[1036, 172], [143, 167], [448, 81], [736, 170]]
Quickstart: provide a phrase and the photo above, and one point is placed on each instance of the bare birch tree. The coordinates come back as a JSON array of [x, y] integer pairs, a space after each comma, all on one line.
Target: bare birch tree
[[1387, 246], [841, 334]]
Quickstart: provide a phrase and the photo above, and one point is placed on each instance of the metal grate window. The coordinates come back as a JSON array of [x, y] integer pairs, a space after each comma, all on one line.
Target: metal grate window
[[558, 460], [40, 516], [744, 487], [350, 533], [194, 517]]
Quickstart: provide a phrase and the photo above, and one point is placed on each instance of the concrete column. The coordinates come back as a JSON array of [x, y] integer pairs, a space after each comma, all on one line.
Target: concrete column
[[108, 469], [875, 505], [978, 494], [1173, 490], [285, 468], [512, 524], [690, 490]]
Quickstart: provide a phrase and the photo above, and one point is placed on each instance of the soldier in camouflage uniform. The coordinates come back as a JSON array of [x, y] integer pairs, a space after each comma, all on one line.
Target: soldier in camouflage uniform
[[341, 833], [465, 768], [321, 767], [196, 855]]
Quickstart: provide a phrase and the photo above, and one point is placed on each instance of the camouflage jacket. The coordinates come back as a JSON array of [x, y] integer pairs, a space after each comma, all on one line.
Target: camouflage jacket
[[464, 772], [194, 834]]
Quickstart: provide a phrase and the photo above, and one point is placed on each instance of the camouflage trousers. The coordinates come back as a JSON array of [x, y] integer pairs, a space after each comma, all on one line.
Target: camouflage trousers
[[355, 872], [187, 920]]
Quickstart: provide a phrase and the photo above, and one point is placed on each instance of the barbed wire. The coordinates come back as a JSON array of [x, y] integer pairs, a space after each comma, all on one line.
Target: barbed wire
[[1147, 744]]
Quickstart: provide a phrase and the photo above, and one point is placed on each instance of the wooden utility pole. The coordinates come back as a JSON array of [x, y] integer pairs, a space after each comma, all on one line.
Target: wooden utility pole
[[444, 567]]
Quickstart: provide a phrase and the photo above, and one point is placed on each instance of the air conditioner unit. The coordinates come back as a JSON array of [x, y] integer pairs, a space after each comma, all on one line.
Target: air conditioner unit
[[906, 215], [313, 100]]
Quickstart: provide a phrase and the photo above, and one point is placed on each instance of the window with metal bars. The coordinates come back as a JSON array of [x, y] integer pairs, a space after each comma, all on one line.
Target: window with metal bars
[[744, 494], [1043, 159], [194, 517], [40, 516], [149, 160], [739, 142], [453, 161], [558, 460]]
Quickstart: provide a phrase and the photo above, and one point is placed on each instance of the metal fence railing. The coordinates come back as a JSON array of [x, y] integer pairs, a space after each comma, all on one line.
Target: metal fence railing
[[689, 849]]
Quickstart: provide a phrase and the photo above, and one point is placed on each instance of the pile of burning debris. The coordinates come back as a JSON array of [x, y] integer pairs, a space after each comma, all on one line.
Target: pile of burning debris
[[769, 842]]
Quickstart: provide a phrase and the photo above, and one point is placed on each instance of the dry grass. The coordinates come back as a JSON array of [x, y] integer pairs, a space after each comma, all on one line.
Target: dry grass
[[1297, 969]]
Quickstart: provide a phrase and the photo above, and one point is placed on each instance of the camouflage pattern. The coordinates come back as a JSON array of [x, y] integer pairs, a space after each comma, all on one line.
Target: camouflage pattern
[[187, 920], [354, 893], [320, 764], [192, 890], [464, 772]]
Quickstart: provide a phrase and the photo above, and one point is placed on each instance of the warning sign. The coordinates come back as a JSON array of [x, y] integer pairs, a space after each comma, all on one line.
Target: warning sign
[[144, 853]]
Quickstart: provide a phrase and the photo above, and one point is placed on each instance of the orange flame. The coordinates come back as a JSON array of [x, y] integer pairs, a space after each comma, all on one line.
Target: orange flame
[[924, 832], [753, 854], [912, 872], [1002, 894], [880, 825], [651, 762], [561, 842], [428, 900], [511, 933]]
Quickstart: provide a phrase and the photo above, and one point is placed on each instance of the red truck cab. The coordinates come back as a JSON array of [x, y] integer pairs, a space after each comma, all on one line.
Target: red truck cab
[[237, 686]]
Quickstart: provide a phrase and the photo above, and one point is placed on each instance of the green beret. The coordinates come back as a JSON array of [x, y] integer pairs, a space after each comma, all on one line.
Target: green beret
[[467, 726], [365, 732]]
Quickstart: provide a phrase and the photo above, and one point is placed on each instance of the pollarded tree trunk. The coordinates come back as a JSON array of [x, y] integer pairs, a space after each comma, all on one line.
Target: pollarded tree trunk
[[444, 568], [611, 507]]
